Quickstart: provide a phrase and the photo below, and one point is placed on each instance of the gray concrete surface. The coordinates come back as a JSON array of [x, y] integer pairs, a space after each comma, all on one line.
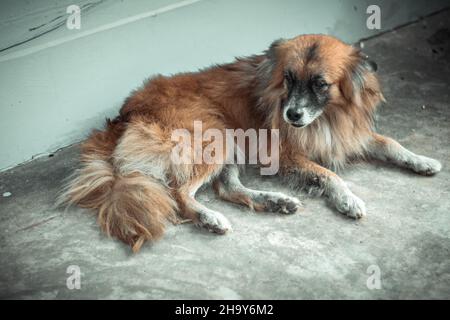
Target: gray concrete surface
[[315, 254]]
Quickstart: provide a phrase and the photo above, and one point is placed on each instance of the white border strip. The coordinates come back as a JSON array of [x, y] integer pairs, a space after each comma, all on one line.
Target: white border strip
[[121, 22]]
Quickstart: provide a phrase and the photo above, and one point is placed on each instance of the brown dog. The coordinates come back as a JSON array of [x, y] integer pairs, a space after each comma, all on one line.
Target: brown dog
[[320, 94]]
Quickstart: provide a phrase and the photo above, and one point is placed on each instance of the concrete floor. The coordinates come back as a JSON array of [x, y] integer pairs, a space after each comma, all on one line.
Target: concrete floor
[[315, 254]]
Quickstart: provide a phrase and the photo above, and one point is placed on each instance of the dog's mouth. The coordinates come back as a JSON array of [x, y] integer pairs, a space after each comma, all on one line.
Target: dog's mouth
[[297, 125], [302, 123]]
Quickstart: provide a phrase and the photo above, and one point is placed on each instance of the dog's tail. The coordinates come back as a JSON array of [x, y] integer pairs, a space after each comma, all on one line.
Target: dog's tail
[[133, 208]]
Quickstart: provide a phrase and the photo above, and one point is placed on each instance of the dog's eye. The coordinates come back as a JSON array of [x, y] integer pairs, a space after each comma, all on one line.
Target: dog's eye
[[288, 76], [320, 84]]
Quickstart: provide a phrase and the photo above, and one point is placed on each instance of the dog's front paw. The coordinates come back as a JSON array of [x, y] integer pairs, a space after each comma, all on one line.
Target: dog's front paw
[[275, 202], [285, 205], [350, 205], [426, 166]]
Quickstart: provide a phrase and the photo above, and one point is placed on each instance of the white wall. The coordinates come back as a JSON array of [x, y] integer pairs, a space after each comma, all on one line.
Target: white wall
[[57, 87]]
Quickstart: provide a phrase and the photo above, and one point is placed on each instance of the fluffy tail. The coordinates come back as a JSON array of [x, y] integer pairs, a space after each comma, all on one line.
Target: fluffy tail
[[133, 208]]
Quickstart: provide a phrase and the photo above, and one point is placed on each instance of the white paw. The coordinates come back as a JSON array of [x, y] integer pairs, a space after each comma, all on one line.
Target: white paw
[[278, 202], [215, 222], [426, 166], [350, 205]]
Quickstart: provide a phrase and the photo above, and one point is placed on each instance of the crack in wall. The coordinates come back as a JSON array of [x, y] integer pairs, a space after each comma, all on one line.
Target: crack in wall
[[77, 35], [59, 20]]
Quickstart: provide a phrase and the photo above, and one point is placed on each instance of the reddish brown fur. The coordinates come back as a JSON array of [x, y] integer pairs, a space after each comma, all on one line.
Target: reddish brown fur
[[132, 201]]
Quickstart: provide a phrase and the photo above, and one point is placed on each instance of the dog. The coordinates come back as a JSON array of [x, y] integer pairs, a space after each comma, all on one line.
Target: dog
[[318, 92]]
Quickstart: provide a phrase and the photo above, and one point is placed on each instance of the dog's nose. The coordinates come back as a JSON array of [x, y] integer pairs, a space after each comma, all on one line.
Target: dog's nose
[[294, 114]]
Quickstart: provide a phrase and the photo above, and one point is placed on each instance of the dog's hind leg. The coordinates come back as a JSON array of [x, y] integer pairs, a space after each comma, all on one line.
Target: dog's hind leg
[[204, 217], [229, 187], [193, 210]]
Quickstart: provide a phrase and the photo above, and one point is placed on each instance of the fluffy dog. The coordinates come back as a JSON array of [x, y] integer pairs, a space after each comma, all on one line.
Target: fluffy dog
[[320, 93]]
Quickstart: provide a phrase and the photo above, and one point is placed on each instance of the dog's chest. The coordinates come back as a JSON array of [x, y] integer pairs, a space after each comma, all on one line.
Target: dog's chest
[[328, 145]]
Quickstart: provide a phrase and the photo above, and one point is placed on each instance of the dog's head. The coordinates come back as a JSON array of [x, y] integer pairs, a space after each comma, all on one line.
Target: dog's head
[[316, 73]]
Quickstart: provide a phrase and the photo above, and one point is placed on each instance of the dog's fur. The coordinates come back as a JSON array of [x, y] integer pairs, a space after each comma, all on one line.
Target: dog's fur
[[319, 92]]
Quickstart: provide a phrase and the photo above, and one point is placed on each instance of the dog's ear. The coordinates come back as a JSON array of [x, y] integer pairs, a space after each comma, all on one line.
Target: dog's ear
[[270, 77], [269, 64], [354, 80], [271, 53], [368, 63]]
